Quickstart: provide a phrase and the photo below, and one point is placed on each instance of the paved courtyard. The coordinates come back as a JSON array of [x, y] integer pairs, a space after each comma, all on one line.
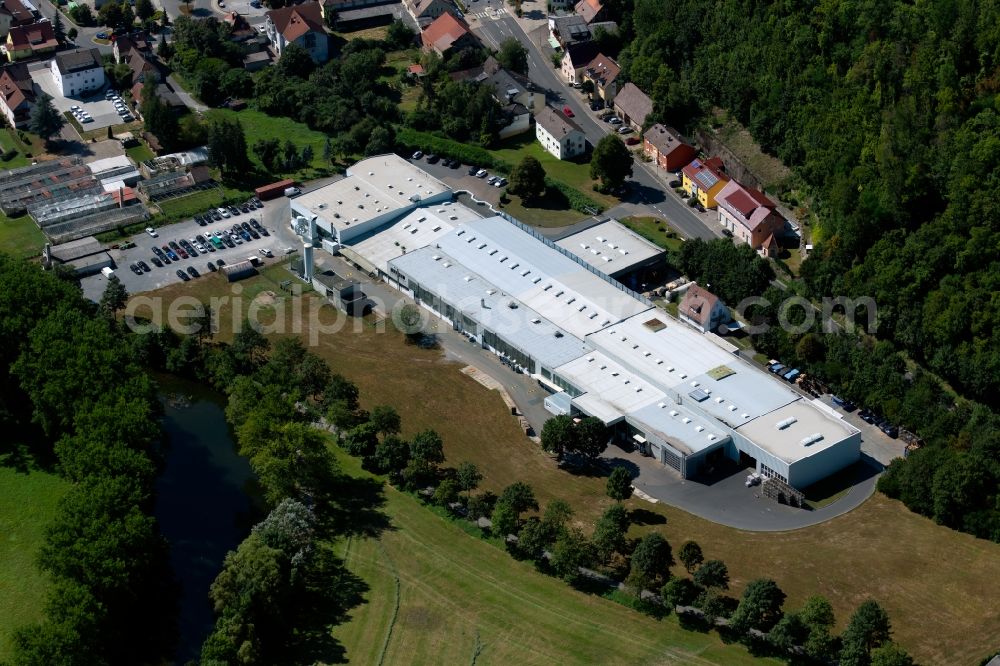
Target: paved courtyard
[[102, 111]]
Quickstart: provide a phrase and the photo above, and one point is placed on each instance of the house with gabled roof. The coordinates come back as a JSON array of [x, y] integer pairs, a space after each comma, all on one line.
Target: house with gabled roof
[[575, 59], [17, 94], [301, 25], [12, 13], [749, 214], [123, 45], [704, 179], [425, 11], [447, 33], [633, 106], [603, 72], [78, 72], [665, 146], [559, 135], [702, 309], [27, 41], [591, 10]]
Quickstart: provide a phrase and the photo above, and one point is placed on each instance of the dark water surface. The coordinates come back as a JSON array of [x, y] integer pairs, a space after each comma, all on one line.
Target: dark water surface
[[204, 501]]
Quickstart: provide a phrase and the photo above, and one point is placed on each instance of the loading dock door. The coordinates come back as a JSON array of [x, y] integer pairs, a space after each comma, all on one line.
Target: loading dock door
[[670, 459], [747, 460]]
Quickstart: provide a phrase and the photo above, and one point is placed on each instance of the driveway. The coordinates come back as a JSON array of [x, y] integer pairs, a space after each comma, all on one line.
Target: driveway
[[269, 217], [727, 501], [101, 110]]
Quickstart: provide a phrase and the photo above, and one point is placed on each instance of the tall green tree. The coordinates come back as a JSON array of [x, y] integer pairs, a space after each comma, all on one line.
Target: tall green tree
[[611, 162], [759, 608], [468, 476], [609, 532], [713, 573], [591, 438], [690, 555], [227, 146], [527, 180], [114, 298], [513, 56], [651, 562], [44, 119], [891, 654], [868, 628], [619, 485], [58, 29], [144, 9]]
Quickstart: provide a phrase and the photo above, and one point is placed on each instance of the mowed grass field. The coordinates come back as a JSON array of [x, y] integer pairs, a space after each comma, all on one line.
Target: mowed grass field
[[440, 596], [939, 586], [27, 505], [259, 126], [20, 236]]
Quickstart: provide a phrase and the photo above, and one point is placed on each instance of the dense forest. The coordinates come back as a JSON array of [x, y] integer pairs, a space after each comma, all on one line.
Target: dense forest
[[888, 113]]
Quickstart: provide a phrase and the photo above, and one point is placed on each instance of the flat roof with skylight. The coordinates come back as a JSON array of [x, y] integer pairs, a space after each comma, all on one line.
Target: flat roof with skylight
[[565, 291], [610, 390], [683, 429], [416, 229], [611, 247], [796, 431]]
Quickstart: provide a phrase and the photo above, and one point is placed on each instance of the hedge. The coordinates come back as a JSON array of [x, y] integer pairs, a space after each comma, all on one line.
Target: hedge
[[410, 139]]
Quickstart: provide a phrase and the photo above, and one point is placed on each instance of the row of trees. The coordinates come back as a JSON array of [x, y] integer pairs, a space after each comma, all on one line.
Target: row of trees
[[93, 412]]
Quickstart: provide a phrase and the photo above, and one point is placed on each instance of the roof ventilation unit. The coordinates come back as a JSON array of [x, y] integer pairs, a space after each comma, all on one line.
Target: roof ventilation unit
[[781, 425], [811, 439]]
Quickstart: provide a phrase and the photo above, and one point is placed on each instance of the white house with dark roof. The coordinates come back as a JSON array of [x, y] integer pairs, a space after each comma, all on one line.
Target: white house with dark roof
[[77, 72], [559, 135], [702, 309]]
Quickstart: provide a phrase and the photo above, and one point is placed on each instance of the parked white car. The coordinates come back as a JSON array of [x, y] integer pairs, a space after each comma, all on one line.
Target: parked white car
[[152, 232]]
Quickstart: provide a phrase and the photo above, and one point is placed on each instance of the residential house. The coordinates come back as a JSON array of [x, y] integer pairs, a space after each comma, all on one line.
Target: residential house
[[770, 249], [144, 69], [425, 11], [13, 13], [332, 7], [704, 179], [78, 71], [566, 30], [749, 214], [665, 146], [298, 24], [559, 135], [17, 94], [166, 95], [603, 72], [239, 29], [123, 45], [633, 106], [516, 94], [591, 10], [447, 33], [576, 58], [703, 309], [27, 41]]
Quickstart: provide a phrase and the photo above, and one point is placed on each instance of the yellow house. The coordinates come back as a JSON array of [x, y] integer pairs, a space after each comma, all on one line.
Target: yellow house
[[704, 179], [23, 41]]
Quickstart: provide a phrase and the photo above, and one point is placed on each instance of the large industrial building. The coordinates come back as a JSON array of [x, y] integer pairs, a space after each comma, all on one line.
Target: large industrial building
[[680, 395]]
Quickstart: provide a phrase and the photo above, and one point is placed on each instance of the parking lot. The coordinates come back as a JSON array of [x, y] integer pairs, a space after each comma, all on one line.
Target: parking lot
[[100, 109], [272, 215]]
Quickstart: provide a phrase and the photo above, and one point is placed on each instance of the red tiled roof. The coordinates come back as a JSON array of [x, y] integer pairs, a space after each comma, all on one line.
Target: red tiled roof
[[589, 9], [603, 70], [747, 203], [444, 31], [713, 166], [295, 21], [37, 36], [21, 14], [697, 304], [16, 86]]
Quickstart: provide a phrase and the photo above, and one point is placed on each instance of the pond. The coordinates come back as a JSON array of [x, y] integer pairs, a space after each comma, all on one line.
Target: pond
[[205, 501]]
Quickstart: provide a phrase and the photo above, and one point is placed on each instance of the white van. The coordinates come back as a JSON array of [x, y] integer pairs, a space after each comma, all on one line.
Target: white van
[[107, 272], [292, 192]]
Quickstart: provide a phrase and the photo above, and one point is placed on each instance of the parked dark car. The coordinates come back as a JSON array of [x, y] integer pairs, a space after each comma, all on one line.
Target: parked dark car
[[432, 159], [220, 263], [890, 430], [135, 269], [228, 241], [264, 232], [843, 403], [253, 234], [245, 225], [473, 169], [144, 266], [182, 275], [216, 215], [192, 272], [156, 262], [200, 221], [212, 267]]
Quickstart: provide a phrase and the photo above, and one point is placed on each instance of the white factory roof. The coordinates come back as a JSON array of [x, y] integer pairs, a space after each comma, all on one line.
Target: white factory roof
[[488, 305], [610, 247], [797, 430], [664, 349], [413, 231], [563, 290], [108, 163], [610, 389], [680, 427], [373, 187], [736, 393]]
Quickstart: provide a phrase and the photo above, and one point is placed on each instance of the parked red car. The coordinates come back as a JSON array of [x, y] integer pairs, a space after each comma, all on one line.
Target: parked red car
[[568, 111]]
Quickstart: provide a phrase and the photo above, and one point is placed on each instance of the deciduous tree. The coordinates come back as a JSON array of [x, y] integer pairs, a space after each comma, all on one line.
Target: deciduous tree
[[713, 573], [651, 561], [759, 608], [690, 555], [611, 162], [868, 628], [44, 119], [619, 485], [527, 180], [513, 56]]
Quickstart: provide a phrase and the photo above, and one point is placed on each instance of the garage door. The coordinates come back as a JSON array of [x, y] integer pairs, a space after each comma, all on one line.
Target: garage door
[[670, 459]]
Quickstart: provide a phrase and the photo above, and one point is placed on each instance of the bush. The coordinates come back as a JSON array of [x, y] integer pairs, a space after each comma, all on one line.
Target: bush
[[410, 139], [577, 200]]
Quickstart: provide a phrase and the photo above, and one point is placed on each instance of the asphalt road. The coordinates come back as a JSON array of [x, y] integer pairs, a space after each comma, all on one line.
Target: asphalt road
[[646, 187]]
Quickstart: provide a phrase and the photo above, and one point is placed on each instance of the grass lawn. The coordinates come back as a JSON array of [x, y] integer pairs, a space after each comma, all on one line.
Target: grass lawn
[[20, 236], [573, 173], [939, 586], [438, 595], [181, 208], [551, 211], [140, 153], [8, 143], [259, 125], [27, 505], [656, 231]]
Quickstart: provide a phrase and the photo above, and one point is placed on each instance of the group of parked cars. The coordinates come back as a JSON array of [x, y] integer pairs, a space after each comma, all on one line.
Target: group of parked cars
[[175, 251], [226, 212], [868, 416], [80, 114], [120, 106], [495, 181], [780, 369]]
